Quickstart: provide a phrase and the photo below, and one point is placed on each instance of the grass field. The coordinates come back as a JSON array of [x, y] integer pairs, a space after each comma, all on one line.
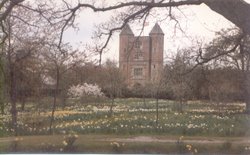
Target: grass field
[[132, 117]]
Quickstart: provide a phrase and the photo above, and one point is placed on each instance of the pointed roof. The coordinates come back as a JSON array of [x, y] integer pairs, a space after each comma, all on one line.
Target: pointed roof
[[156, 29], [126, 30]]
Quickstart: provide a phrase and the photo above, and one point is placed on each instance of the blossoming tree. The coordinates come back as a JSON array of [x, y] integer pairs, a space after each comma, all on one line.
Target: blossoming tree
[[82, 91]]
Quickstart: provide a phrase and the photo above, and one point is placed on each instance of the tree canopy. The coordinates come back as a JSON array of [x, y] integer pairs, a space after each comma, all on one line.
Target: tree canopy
[[62, 14]]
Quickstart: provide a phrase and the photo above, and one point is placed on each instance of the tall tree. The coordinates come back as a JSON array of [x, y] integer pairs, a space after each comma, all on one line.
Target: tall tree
[[23, 43], [56, 65], [2, 86], [180, 78], [231, 48], [112, 82]]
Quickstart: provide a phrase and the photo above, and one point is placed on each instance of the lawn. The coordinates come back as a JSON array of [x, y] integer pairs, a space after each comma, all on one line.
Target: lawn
[[132, 117]]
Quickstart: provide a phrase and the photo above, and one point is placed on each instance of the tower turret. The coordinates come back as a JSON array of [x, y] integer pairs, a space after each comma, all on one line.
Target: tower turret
[[157, 47], [156, 30], [126, 30], [126, 42]]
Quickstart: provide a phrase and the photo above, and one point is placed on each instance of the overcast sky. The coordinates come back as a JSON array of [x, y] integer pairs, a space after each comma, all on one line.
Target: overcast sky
[[198, 23]]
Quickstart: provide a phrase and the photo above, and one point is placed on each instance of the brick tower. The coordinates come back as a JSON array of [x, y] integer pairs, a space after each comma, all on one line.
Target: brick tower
[[141, 57]]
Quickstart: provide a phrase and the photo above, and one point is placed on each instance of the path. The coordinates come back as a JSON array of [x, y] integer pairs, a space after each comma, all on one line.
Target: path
[[149, 139]]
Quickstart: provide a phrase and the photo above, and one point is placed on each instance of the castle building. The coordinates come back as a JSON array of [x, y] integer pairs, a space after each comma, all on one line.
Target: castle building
[[141, 57]]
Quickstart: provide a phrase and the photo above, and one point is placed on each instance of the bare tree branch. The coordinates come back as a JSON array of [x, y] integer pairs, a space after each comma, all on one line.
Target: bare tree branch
[[9, 8], [200, 60], [236, 11], [151, 4]]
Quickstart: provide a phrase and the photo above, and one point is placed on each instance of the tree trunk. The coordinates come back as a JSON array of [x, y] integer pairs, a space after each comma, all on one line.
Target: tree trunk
[[144, 101], [248, 106], [246, 90], [111, 107], [12, 92], [236, 11], [180, 107], [23, 103], [157, 110], [12, 83], [13, 110], [2, 106], [54, 101], [63, 103]]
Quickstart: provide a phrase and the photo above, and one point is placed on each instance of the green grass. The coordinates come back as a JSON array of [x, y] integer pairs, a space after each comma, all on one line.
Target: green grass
[[133, 117]]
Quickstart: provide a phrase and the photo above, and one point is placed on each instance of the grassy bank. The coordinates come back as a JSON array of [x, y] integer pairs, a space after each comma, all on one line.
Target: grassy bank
[[124, 144]]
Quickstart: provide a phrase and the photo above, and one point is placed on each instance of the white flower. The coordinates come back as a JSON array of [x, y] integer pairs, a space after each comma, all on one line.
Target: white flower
[[85, 89], [115, 144], [65, 143]]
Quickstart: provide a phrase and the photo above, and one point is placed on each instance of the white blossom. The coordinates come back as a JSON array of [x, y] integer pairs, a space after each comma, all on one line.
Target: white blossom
[[86, 89]]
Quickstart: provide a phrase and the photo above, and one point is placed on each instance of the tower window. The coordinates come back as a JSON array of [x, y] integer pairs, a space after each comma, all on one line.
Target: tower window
[[138, 72], [138, 55], [138, 44]]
